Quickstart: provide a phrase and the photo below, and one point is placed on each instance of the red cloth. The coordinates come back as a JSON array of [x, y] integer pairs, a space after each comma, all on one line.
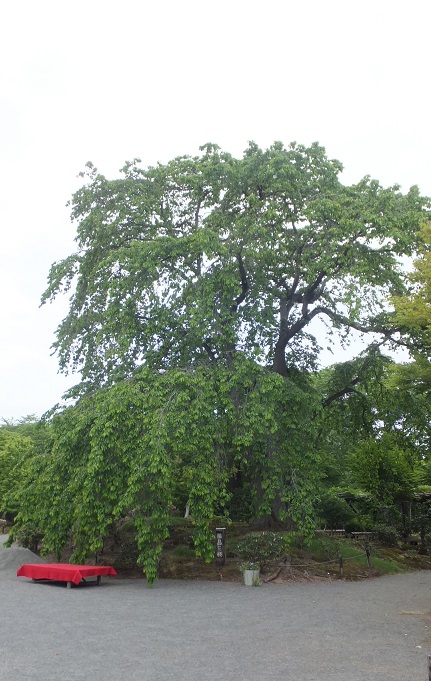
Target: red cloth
[[63, 572]]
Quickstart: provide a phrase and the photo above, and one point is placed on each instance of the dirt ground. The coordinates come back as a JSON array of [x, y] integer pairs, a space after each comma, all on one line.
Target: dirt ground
[[194, 630]]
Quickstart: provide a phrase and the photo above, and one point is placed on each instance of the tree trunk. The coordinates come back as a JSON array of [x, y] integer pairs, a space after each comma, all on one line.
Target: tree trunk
[[272, 521], [269, 522], [279, 364]]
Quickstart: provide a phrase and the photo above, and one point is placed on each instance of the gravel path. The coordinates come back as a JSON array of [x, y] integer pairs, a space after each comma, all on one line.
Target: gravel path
[[374, 630]]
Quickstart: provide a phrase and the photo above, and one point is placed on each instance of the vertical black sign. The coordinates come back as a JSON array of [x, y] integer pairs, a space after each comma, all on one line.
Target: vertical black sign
[[220, 534]]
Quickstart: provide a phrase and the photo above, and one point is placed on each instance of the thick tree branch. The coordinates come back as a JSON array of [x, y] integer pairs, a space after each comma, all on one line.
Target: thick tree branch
[[310, 296], [244, 284], [210, 352], [198, 207], [345, 321], [288, 332], [291, 331], [279, 364], [347, 390]]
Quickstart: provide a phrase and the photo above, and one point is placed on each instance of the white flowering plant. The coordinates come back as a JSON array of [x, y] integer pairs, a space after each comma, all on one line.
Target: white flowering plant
[[249, 566]]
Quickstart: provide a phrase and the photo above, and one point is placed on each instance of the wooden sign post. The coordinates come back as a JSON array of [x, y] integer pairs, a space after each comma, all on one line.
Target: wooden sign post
[[220, 534]]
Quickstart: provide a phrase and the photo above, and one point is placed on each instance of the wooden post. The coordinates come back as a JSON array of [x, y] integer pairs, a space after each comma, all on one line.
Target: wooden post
[[367, 551], [220, 534], [429, 667], [340, 562]]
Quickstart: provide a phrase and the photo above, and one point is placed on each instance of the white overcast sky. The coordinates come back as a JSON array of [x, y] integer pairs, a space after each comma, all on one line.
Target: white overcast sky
[[107, 82]]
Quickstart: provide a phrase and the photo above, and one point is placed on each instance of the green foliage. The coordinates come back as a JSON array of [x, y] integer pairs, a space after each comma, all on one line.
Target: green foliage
[[384, 469], [413, 314], [425, 489], [122, 449], [15, 451], [261, 547], [374, 440], [192, 291], [413, 309], [332, 511], [359, 523], [28, 536], [190, 261], [361, 407], [386, 534]]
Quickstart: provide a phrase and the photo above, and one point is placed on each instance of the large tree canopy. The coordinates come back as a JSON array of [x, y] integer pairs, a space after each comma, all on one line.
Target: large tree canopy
[[192, 292], [194, 260]]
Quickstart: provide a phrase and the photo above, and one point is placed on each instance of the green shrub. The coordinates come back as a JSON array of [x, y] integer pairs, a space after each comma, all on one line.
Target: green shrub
[[262, 547], [386, 534], [333, 512], [358, 524], [27, 536]]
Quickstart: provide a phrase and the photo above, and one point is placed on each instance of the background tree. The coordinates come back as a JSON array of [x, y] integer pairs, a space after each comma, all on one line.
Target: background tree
[[374, 440], [412, 380], [413, 314], [16, 448]]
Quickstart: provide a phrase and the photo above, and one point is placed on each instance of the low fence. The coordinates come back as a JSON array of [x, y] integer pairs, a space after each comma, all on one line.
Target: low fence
[[349, 535], [340, 560]]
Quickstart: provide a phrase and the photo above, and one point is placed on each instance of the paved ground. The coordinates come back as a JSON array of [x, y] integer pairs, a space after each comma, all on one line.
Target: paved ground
[[373, 630]]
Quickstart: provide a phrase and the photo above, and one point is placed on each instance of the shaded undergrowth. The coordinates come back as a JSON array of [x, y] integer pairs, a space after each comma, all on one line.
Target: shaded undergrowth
[[317, 560]]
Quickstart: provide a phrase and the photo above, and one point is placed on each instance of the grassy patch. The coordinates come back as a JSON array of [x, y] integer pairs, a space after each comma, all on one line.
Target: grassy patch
[[385, 567], [182, 551], [322, 557]]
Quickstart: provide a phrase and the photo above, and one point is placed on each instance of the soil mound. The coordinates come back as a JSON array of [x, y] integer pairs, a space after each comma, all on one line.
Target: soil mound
[[12, 558]]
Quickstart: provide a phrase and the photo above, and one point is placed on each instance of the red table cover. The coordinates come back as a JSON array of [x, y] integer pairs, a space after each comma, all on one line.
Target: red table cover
[[63, 572]]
